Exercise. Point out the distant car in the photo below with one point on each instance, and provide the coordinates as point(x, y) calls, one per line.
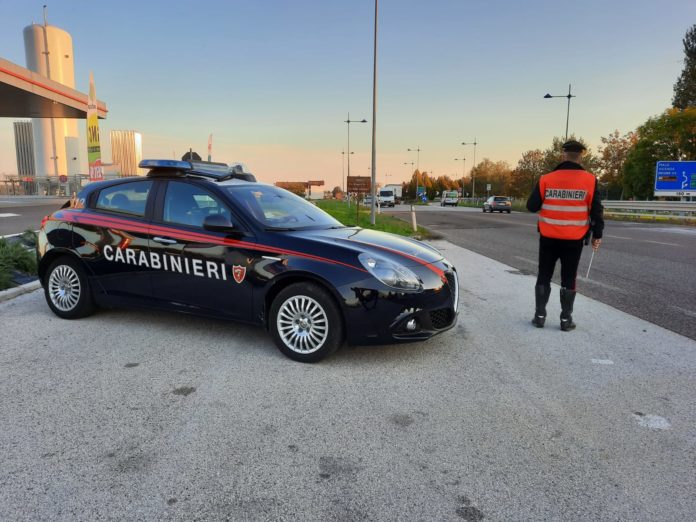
point(497, 203)
point(367, 200)
point(386, 198)
point(449, 197)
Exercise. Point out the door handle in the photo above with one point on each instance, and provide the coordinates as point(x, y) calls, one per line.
point(164, 240)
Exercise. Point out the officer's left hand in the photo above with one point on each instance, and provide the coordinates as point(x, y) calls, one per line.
point(596, 243)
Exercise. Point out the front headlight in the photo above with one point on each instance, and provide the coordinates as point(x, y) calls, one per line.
point(390, 273)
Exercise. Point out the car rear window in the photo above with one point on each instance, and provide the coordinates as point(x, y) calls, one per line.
point(128, 198)
point(501, 199)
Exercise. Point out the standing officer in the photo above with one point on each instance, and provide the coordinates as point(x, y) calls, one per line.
point(570, 207)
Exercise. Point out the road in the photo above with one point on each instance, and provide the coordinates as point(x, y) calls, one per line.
point(19, 213)
point(129, 415)
point(646, 270)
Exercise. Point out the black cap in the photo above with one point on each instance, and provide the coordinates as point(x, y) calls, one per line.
point(573, 146)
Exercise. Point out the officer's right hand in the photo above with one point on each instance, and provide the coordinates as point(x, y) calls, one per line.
point(596, 243)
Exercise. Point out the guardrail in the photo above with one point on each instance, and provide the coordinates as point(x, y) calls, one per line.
point(672, 209)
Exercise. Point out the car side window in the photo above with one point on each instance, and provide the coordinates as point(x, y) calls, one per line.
point(127, 198)
point(187, 204)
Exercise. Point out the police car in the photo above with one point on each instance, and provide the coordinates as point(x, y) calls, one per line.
point(207, 239)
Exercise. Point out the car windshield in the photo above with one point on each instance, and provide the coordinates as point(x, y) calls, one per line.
point(278, 209)
point(450, 194)
point(386, 193)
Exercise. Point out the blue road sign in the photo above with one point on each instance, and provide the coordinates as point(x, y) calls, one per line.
point(675, 178)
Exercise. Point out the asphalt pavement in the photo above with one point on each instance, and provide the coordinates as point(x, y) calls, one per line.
point(20, 213)
point(645, 269)
point(131, 415)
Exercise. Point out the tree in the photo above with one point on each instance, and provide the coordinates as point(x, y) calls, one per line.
point(612, 155)
point(497, 174)
point(336, 191)
point(529, 169)
point(668, 137)
point(685, 88)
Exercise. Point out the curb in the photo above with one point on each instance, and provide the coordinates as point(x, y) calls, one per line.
point(11, 293)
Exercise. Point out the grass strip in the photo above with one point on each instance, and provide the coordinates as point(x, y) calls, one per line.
point(383, 222)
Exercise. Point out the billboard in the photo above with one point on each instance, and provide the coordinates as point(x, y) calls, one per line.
point(675, 178)
point(93, 147)
point(359, 184)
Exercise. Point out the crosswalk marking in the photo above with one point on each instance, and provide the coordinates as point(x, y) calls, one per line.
point(8, 214)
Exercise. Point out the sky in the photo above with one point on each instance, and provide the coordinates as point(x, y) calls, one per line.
point(274, 80)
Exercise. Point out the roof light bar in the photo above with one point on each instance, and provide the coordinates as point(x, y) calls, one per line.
point(164, 164)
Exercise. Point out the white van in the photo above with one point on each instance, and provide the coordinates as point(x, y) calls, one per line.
point(386, 198)
point(449, 197)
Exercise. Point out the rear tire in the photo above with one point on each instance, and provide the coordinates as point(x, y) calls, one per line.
point(305, 322)
point(67, 290)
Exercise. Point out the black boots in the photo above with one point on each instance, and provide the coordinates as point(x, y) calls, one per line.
point(567, 299)
point(541, 294)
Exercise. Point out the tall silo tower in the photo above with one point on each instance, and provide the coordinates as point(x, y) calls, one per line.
point(49, 52)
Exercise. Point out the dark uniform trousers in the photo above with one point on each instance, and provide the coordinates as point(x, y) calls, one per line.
point(550, 251)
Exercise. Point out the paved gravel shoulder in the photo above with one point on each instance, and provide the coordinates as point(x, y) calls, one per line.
point(133, 415)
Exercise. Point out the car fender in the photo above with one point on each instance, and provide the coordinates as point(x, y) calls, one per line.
point(290, 277)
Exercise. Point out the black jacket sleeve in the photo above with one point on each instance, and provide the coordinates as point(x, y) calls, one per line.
point(534, 201)
point(596, 214)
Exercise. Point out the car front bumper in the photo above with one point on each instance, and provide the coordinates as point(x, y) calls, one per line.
point(378, 316)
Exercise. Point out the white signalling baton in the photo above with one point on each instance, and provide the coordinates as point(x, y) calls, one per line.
point(590, 266)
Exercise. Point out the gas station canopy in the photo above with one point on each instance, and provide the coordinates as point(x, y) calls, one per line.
point(26, 94)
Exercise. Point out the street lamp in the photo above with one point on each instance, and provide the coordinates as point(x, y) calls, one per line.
point(417, 151)
point(473, 179)
point(349, 121)
point(463, 160)
point(569, 96)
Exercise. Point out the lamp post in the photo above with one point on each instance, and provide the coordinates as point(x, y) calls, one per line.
point(473, 179)
point(374, 120)
point(417, 151)
point(463, 160)
point(348, 122)
point(569, 96)
point(343, 174)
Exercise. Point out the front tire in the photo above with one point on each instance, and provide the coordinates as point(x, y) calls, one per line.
point(305, 322)
point(67, 289)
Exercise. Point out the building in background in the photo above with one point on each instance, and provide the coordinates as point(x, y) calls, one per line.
point(49, 52)
point(127, 151)
point(24, 147)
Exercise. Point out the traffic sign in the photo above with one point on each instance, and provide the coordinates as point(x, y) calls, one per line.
point(359, 184)
point(675, 178)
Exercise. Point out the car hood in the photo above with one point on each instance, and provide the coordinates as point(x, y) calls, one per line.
point(405, 251)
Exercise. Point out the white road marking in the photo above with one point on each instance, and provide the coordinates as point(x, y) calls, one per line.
point(605, 362)
point(8, 214)
point(643, 240)
point(526, 260)
point(609, 287)
point(660, 243)
point(684, 311)
point(652, 421)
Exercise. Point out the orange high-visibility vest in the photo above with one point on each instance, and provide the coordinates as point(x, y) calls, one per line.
point(566, 197)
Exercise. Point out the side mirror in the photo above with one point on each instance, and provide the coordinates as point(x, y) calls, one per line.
point(218, 223)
